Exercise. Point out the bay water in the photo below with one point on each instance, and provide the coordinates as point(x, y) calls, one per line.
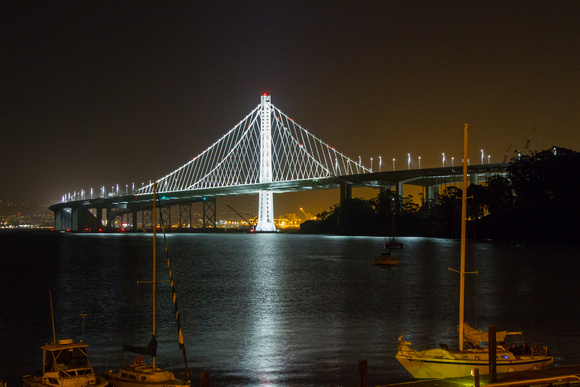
point(275, 309)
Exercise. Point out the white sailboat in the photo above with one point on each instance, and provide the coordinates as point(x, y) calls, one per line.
point(442, 362)
point(139, 374)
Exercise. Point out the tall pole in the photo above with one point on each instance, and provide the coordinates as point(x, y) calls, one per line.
point(154, 260)
point(463, 236)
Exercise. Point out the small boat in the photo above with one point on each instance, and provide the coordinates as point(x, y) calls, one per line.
point(385, 258)
point(442, 362)
point(139, 374)
point(65, 364)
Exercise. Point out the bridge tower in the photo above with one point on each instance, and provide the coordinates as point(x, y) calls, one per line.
point(266, 204)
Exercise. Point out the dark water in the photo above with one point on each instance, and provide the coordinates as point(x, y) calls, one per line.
point(276, 309)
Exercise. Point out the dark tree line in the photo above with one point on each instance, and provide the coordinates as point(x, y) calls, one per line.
point(537, 200)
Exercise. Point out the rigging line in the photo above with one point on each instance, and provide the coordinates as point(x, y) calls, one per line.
point(173, 293)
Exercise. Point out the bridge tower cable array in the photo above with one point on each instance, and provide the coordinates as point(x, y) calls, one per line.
point(266, 146)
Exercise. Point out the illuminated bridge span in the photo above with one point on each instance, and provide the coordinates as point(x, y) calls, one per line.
point(265, 152)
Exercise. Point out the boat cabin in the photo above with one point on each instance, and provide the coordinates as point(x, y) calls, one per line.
point(66, 359)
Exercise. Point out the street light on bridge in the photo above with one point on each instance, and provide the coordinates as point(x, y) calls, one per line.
point(380, 163)
point(443, 161)
point(419, 162)
point(482, 157)
point(371, 164)
point(393, 164)
point(452, 160)
point(408, 161)
point(488, 159)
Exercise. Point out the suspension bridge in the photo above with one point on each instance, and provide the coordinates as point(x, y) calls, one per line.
point(267, 152)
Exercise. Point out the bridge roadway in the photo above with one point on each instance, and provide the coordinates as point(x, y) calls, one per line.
point(76, 215)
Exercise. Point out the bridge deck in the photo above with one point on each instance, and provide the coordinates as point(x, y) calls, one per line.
point(546, 376)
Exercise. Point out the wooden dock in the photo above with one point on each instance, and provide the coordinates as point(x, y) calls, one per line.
point(548, 376)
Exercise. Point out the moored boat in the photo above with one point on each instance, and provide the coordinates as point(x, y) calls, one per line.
point(442, 362)
point(385, 258)
point(65, 364)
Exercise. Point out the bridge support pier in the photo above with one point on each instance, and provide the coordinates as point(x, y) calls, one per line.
point(60, 219)
point(209, 214)
point(400, 189)
point(345, 191)
point(165, 213)
point(185, 215)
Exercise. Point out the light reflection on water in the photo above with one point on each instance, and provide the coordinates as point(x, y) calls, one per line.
point(276, 309)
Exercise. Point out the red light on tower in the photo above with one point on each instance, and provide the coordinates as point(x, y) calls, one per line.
point(264, 93)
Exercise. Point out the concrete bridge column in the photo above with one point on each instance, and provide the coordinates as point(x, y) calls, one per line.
point(400, 189)
point(74, 219)
point(345, 191)
point(108, 216)
point(432, 190)
point(59, 219)
point(100, 216)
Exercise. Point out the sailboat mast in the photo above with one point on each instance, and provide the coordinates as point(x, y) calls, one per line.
point(154, 260)
point(463, 237)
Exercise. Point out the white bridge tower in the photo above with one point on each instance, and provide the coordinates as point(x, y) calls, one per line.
point(266, 205)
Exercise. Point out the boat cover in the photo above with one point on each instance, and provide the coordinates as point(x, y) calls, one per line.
point(150, 349)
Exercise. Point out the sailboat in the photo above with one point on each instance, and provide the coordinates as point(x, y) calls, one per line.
point(65, 364)
point(442, 362)
point(393, 243)
point(139, 374)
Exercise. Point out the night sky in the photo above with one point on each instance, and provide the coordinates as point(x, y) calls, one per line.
point(103, 93)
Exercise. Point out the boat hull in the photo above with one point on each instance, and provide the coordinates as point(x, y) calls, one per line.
point(38, 381)
point(424, 368)
point(143, 376)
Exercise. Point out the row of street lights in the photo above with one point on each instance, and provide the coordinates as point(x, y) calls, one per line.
point(419, 161)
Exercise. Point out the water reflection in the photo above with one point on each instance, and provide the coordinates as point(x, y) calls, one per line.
point(280, 309)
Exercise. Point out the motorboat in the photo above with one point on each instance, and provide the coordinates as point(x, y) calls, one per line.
point(385, 258)
point(443, 362)
point(65, 364)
